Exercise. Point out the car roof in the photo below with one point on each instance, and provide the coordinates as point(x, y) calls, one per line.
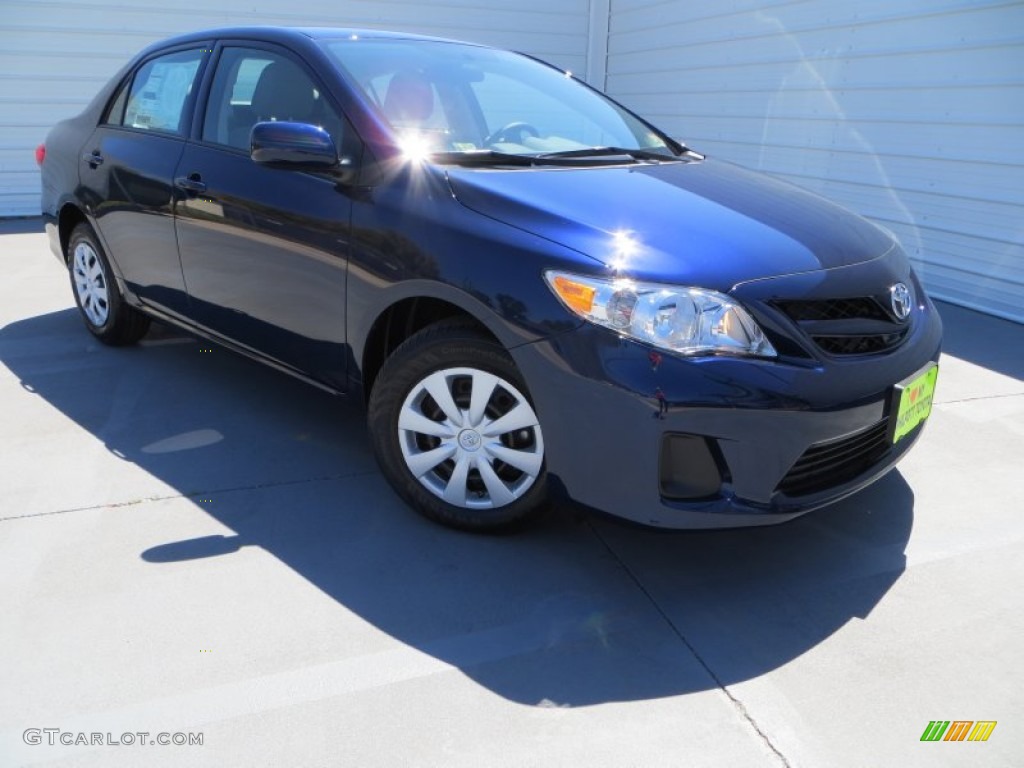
point(296, 34)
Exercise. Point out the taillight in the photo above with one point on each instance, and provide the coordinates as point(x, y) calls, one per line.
point(40, 154)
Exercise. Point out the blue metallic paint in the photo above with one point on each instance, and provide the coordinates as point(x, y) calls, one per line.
point(480, 239)
point(706, 223)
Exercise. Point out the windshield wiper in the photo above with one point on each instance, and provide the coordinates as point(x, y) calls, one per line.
point(607, 155)
point(482, 157)
point(636, 154)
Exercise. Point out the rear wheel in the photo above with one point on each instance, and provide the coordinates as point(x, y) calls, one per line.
point(454, 430)
point(99, 301)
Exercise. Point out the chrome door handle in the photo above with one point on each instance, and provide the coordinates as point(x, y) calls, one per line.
point(191, 183)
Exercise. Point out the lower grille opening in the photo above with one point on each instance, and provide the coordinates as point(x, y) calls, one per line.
point(826, 465)
point(689, 468)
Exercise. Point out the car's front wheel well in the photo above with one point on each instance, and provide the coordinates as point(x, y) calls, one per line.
point(70, 217)
point(400, 321)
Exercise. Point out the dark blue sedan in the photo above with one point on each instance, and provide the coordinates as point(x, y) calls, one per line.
point(535, 291)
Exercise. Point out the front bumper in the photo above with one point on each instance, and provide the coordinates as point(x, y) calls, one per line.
point(606, 405)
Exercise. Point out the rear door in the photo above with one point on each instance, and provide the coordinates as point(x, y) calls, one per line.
point(264, 251)
point(127, 170)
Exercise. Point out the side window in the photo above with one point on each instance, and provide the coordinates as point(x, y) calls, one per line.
point(160, 90)
point(115, 112)
point(253, 85)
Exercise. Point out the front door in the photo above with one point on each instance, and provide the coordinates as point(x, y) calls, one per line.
point(264, 251)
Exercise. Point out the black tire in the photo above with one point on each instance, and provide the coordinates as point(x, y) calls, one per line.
point(96, 292)
point(463, 359)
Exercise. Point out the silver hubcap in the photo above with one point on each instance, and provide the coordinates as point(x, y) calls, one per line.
point(90, 284)
point(470, 438)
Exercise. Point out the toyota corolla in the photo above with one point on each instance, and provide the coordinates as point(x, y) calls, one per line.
point(535, 291)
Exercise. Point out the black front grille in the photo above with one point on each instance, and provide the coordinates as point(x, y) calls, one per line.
point(826, 465)
point(864, 307)
point(858, 345)
point(850, 326)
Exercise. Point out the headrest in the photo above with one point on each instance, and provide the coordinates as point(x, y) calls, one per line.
point(284, 92)
point(410, 98)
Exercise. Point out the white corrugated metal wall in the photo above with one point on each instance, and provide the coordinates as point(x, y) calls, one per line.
point(910, 112)
point(55, 54)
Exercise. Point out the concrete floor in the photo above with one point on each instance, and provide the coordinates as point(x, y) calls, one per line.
point(192, 543)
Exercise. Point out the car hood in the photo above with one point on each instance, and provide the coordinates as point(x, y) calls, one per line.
point(705, 223)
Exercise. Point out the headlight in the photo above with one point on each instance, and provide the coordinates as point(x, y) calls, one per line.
point(688, 321)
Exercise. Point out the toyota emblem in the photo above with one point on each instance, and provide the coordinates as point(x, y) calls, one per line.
point(899, 294)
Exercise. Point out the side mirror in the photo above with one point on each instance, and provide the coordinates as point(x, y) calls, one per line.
point(295, 146)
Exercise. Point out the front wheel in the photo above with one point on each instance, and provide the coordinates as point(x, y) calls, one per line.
point(454, 430)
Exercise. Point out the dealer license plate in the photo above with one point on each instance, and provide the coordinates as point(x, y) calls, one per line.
point(912, 402)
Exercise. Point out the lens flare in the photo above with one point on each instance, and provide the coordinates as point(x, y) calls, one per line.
point(415, 147)
point(624, 247)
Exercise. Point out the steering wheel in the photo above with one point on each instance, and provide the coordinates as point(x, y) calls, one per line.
point(513, 132)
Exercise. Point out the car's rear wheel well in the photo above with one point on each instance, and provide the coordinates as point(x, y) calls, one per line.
point(70, 217)
point(400, 321)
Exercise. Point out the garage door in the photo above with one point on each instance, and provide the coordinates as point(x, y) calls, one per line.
point(910, 112)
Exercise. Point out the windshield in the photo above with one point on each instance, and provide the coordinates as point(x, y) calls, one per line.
point(463, 99)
